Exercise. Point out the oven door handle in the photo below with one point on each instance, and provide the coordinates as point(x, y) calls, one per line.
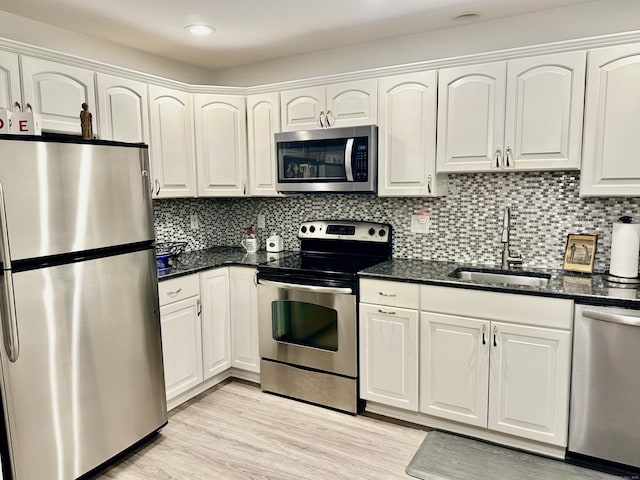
point(307, 288)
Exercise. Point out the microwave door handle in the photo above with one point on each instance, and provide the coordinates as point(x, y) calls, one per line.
point(348, 161)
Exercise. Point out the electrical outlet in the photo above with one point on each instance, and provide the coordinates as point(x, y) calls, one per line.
point(261, 221)
point(420, 224)
point(195, 224)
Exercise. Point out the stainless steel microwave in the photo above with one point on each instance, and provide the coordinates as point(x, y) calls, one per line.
point(331, 160)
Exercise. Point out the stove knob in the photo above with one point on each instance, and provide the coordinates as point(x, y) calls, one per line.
point(372, 231)
point(312, 229)
point(303, 229)
point(382, 233)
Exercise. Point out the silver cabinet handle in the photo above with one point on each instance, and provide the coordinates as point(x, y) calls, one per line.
point(508, 156)
point(612, 317)
point(199, 307)
point(244, 187)
point(329, 119)
point(429, 184)
point(484, 331)
point(495, 334)
point(157, 183)
point(348, 151)
point(29, 107)
point(498, 157)
point(386, 312)
point(175, 293)
point(17, 104)
point(383, 294)
point(10, 324)
point(322, 119)
point(306, 288)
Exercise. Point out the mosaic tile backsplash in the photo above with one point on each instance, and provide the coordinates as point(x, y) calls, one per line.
point(465, 226)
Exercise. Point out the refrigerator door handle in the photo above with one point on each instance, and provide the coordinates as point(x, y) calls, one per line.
point(10, 324)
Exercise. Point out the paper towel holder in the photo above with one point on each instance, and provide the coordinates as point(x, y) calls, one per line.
point(623, 282)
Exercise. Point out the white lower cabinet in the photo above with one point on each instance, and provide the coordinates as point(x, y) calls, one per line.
point(490, 363)
point(243, 293)
point(389, 355)
point(181, 334)
point(216, 328)
point(454, 368)
point(389, 343)
point(209, 324)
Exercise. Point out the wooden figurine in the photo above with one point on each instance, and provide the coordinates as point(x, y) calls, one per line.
point(86, 122)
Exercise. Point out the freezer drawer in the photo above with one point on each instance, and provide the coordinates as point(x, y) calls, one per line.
point(88, 381)
point(67, 197)
point(604, 417)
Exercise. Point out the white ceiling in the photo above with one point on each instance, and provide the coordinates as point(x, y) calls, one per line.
point(249, 31)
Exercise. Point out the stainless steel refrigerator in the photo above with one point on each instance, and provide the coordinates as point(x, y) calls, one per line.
point(80, 351)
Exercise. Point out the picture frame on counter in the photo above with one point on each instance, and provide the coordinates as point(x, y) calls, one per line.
point(580, 253)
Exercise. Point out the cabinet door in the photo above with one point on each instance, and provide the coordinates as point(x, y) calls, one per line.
point(123, 109)
point(352, 103)
point(181, 345)
point(544, 108)
point(57, 92)
point(389, 355)
point(216, 340)
point(10, 80)
point(611, 120)
point(221, 145)
point(263, 122)
point(172, 145)
point(244, 319)
point(454, 368)
point(407, 134)
point(529, 382)
point(471, 117)
point(301, 109)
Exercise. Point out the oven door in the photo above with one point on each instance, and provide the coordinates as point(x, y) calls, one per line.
point(308, 326)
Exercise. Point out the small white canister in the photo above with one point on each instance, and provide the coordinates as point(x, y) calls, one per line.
point(275, 243)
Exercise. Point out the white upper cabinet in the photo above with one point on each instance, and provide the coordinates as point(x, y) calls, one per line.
point(263, 122)
point(221, 145)
point(407, 136)
point(9, 80)
point(172, 144)
point(338, 105)
point(57, 92)
point(612, 123)
point(123, 109)
point(524, 114)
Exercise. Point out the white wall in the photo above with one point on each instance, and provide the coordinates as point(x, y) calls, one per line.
point(578, 21)
point(38, 34)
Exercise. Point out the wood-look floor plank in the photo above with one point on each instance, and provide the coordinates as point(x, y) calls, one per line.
point(235, 431)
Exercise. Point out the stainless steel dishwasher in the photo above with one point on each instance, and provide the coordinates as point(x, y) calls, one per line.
point(604, 421)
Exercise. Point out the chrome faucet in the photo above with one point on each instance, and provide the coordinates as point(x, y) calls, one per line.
point(508, 261)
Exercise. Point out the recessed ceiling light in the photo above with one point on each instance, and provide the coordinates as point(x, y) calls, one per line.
point(200, 30)
point(466, 16)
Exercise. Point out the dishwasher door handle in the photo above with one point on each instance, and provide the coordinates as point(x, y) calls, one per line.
point(612, 317)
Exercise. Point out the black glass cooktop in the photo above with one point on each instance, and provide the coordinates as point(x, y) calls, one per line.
point(322, 263)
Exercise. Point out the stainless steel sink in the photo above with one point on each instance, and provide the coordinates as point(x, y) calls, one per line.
point(502, 277)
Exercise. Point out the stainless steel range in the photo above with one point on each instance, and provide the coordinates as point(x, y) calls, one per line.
point(307, 311)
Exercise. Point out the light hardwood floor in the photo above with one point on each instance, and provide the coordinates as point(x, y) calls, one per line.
point(235, 431)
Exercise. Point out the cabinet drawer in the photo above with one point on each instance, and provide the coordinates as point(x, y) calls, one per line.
point(395, 294)
point(170, 291)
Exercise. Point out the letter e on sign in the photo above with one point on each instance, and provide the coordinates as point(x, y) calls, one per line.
point(23, 126)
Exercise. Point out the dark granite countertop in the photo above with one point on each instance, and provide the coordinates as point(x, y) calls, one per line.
point(582, 288)
point(208, 258)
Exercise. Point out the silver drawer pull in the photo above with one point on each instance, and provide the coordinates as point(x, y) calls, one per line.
point(612, 317)
point(382, 294)
point(174, 294)
point(386, 312)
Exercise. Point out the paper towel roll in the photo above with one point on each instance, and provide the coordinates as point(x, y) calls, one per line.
point(625, 249)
